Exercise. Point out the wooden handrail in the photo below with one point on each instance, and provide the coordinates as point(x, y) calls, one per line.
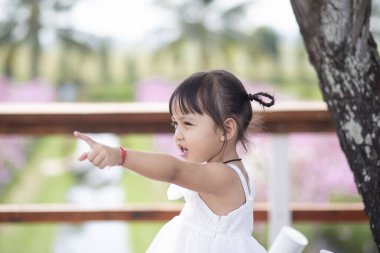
point(301, 212)
point(64, 118)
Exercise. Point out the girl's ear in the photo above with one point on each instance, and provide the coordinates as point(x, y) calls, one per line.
point(231, 127)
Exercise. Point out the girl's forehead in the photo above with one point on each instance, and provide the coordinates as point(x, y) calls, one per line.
point(178, 111)
point(186, 104)
point(178, 114)
point(175, 109)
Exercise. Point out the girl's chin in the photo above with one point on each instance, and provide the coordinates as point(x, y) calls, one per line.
point(185, 156)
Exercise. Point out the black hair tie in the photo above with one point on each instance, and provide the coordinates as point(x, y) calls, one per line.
point(258, 98)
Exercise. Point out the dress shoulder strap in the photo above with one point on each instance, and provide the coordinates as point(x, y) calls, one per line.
point(247, 192)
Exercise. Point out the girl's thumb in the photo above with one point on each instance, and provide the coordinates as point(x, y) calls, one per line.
point(83, 157)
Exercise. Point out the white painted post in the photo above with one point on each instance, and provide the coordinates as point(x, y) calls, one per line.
point(279, 196)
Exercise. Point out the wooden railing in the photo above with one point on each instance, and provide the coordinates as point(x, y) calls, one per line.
point(301, 212)
point(122, 118)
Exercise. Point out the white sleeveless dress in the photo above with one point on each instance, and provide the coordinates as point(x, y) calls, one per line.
point(197, 229)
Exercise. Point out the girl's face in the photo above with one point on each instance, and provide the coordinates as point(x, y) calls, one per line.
point(197, 137)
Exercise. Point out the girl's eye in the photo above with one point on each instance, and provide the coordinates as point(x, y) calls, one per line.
point(174, 124)
point(187, 123)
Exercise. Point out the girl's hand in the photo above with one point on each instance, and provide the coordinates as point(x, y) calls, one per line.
point(99, 155)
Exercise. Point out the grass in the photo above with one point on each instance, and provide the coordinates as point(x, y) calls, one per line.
point(16, 238)
point(141, 190)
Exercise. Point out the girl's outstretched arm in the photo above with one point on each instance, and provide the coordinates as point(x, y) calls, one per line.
point(142, 162)
point(161, 167)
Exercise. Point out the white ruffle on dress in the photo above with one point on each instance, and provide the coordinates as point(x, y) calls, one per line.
point(197, 229)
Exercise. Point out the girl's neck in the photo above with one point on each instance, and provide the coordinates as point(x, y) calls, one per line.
point(230, 155)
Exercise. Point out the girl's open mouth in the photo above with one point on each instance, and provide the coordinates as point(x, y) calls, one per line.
point(184, 151)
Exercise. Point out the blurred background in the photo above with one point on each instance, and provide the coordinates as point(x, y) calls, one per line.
point(120, 51)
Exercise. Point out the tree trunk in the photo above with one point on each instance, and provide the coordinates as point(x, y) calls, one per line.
point(9, 61)
point(34, 31)
point(345, 57)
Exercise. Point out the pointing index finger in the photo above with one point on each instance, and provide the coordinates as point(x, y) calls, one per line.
point(85, 138)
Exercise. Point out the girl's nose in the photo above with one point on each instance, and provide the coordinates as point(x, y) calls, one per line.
point(178, 134)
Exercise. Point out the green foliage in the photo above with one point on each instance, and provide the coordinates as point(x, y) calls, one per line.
point(266, 42)
point(103, 93)
point(210, 28)
point(300, 90)
point(347, 237)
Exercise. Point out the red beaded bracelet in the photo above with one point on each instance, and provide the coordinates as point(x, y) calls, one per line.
point(123, 155)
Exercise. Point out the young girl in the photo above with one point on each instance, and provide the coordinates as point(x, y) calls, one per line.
point(211, 112)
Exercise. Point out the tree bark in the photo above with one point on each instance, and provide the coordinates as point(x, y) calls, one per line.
point(345, 57)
